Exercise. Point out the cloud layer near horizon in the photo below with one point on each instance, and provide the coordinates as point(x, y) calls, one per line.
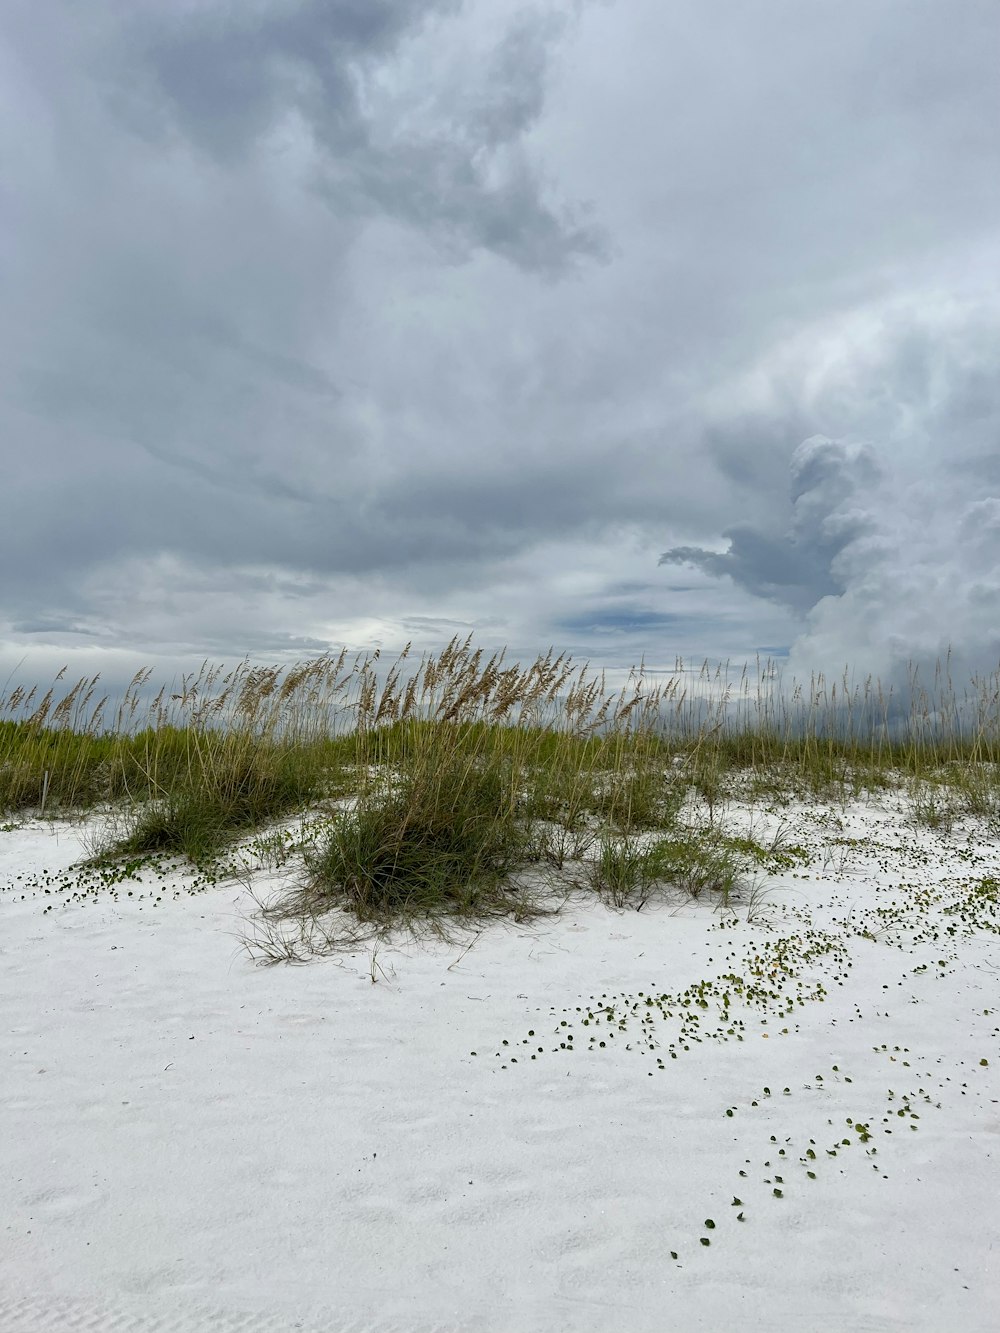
point(338, 322)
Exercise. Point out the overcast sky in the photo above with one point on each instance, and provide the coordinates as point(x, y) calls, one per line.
point(636, 327)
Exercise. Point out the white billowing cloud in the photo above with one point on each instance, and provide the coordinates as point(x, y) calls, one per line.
point(887, 547)
point(922, 586)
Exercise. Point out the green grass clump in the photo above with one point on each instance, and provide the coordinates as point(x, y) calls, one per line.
point(644, 799)
point(49, 769)
point(623, 872)
point(698, 862)
point(439, 841)
point(233, 794)
point(627, 872)
point(776, 855)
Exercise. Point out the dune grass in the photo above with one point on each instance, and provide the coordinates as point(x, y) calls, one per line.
point(443, 781)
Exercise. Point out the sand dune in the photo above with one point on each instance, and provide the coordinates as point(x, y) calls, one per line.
point(516, 1135)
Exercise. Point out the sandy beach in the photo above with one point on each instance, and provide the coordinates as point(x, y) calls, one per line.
point(785, 1115)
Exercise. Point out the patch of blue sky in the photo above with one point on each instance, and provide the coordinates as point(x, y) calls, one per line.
point(625, 620)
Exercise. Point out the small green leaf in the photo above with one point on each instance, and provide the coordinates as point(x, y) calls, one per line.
point(778, 1194)
point(710, 1225)
point(736, 1203)
point(705, 1240)
point(673, 1254)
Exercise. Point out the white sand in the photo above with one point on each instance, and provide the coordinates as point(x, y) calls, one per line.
point(189, 1142)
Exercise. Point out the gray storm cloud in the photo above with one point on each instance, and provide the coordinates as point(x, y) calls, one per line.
point(328, 319)
point(442, 156)
point(834, 490)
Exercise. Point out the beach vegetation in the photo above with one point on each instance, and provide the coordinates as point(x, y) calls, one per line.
point(463, 785)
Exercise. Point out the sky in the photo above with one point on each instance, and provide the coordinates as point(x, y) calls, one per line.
point(639, 328)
